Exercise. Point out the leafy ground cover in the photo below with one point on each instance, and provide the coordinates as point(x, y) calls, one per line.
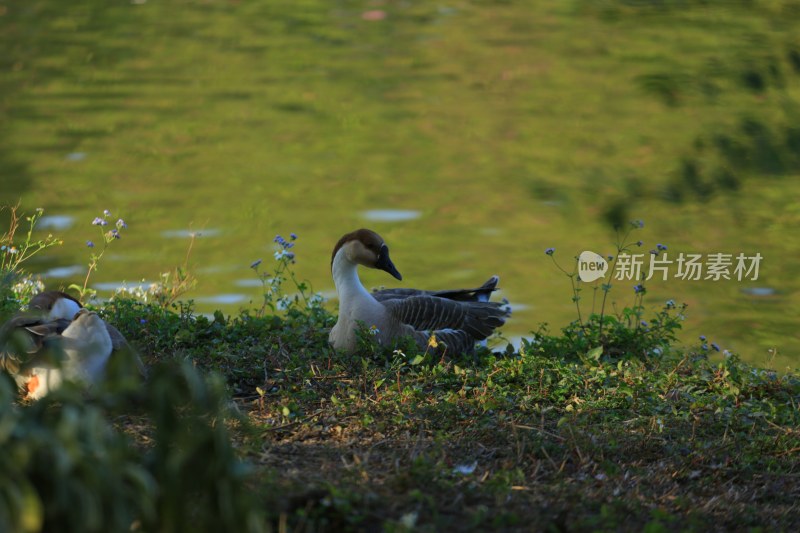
point(513, 441)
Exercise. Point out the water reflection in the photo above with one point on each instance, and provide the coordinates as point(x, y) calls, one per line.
point(186, 233)
point(56, 222)
point(114, 286)
point(760, 291)
point(63, 272)
point(252, 282)
point(390, 215)
point(223, 299)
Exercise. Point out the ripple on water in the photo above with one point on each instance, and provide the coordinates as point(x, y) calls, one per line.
point(115, 285)
point(56, 222)
point(759, 291)
point(63, 272)
point(224, 299)
point(185, 233)
point(248, 282)
point(390, 215)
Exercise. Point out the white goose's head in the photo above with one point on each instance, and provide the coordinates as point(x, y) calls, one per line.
point(365, 247)
point(55, 304)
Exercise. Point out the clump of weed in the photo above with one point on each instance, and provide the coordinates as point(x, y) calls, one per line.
point(274, 297)
point(613, 333)
point(169, 288)
point(16, 286)
point(107, 237)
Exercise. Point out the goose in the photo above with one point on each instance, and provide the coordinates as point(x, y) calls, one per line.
point(58, 340)
point(457, 318)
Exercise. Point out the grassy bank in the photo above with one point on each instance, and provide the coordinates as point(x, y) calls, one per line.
point(252, 422)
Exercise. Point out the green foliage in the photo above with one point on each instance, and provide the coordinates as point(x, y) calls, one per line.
point(67, 466)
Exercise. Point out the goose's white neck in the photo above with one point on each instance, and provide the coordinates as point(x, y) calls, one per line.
point(345, 277)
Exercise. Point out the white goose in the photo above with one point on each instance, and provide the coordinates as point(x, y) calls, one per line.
point(458, 318)
point(58, 340)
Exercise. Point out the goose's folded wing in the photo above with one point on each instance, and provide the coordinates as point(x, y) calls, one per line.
point(430, 313)
point(478, 294)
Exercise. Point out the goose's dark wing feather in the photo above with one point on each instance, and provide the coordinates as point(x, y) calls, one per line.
point(479, 294)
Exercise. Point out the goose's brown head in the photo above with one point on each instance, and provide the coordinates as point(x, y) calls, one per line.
point(365, 247)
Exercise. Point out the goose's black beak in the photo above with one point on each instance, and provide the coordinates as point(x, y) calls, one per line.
point(384, 263)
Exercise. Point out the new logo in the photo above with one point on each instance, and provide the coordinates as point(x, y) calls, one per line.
point(591, 266)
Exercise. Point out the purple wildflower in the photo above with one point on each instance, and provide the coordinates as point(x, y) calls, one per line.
point(121, 224)
point(106, 212)
point(704, 347)
point(638, 288)
point(639, 243)
point(293, 236)
point(550, 251)
point(703, 338)
point(644, 324)
point(661, 247)
point(255, 263)
point(654, 252)
point(90, 244)
point(715, 346)
point(99, 222)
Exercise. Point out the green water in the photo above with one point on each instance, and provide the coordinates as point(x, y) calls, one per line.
point(508, 127)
